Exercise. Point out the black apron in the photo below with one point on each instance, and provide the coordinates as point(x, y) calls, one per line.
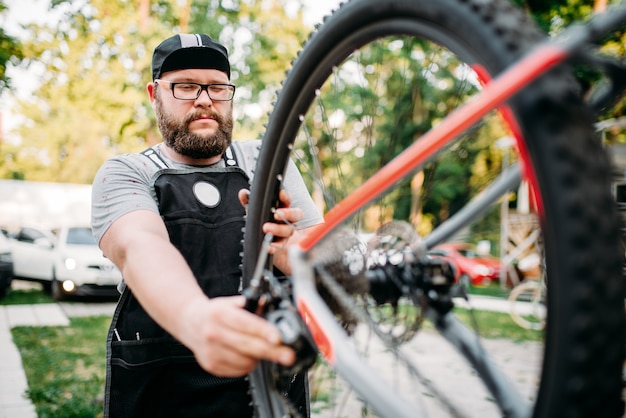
point(149, 373)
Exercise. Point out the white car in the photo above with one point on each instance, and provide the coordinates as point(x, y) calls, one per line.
point(66, 261)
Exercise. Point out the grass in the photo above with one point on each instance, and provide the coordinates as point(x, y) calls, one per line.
point(496, 325)
point(493, 289)
point(26, 296)
point(65, 366)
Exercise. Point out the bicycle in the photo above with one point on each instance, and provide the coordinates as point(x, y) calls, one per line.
point(331, 119)
point(527, 304)
point(527, 298)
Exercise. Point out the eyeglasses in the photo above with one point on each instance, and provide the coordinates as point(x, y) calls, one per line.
point(191, 91)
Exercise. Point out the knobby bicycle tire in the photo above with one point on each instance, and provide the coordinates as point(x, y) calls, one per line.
point(581, 370)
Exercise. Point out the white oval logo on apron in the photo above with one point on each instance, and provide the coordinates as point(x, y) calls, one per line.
point(207, 194)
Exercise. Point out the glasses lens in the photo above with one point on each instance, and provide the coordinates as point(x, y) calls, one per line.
point(186, 91)
point(221, 92)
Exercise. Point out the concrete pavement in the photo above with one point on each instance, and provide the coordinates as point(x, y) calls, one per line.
point(13, 403)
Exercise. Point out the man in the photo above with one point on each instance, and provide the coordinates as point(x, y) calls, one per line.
point(171, 219)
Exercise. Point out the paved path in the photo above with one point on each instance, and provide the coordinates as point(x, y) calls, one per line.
point(13, 384)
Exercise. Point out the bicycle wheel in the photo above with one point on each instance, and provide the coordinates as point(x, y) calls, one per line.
point(527, 307)
point(373, 78)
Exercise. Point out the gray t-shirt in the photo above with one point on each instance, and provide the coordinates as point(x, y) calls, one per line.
point(124, 184)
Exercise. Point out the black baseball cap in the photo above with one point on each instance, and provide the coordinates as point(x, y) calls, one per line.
point(188, 50)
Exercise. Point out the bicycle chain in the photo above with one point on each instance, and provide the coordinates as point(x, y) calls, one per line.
point(291, 409)
point(340, 266)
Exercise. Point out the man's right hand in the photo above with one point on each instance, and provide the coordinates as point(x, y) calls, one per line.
point(229, 341)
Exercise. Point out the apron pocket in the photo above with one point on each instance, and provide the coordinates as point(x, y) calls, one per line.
point(159, 377)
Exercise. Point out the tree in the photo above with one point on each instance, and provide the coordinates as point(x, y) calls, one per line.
point(92, 103)
point(555, 15)
point(10, 52)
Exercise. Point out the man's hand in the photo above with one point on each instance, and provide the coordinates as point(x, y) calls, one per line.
point(227, 340)
point(282, 230)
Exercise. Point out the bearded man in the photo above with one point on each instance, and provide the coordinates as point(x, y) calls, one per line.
point(171, 218)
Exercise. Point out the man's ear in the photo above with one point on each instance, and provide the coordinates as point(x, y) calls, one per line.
point(150, 87)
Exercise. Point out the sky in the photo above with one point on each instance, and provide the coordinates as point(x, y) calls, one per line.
point(36, 11)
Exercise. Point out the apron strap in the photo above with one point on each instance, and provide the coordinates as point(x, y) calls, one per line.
point(229, 156)
point(155, 158)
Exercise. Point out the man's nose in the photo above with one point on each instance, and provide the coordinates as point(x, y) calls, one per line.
point(204, 96)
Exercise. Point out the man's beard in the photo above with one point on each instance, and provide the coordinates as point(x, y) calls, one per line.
point(178, 137)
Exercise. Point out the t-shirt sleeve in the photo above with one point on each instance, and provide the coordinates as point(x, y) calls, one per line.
point(300, 198)
point(119, 188)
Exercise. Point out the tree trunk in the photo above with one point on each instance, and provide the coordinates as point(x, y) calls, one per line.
point(184, 15)
point(144, 14)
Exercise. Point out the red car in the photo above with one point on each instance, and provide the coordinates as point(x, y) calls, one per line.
point(470, 267)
